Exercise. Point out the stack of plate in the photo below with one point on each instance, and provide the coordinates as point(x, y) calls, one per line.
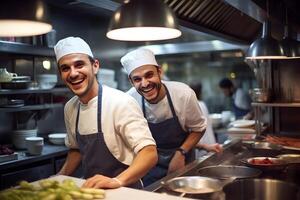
point(18, 137)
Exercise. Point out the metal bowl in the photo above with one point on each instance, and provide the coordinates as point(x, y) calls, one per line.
point(193, 185)
point(261, 189)
point(224, 172)
point(260, 95)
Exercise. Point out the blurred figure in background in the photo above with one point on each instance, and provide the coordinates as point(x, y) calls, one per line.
point(208, 140)
point(240, 100)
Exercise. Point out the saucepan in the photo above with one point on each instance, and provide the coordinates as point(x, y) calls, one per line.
point(261, 189)
point(229, 172)
point(201, 187)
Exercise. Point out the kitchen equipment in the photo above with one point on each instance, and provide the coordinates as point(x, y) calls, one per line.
point(193, 185)
point(34, 145)
point(12, 103)
point(260, 189)
point(6, 158)
point(47, 81)
point(224, 172)
point(57, 138)
point(266, 145)
point(216, 119)
point(16, 83)
point(242, 123)
point(260, 95)
point(266, 163)
point(6, 76)
point(18, 137)
point(290, 158)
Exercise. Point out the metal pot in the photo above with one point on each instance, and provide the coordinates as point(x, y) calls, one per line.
point(224, 172)
point(261, 189)
point(194, 185)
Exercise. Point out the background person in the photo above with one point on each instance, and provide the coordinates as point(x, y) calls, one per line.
point(171, 109)
point(240, 100)
point(208, 141)
point(106, 130)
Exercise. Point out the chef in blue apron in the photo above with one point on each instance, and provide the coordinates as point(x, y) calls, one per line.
point(240, 101)
point(171, 109)
point(106, 131)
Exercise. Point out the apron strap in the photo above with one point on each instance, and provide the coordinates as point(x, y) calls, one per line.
point(169, 101)
point(98, 114)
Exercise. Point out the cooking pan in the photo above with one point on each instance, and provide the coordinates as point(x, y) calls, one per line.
point(193, 185)
point(266, 145)
point(261, 189)
point(266, 163)
point(224, 172)
point(290, 158)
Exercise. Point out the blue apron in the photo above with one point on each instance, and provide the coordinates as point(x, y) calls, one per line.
point(168, 136)
point(96, 157)
point(239, 112)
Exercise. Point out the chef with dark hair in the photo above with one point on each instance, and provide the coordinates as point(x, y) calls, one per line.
point(171, 109)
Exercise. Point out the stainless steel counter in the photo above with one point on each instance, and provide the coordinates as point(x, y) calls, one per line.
point(233, 153)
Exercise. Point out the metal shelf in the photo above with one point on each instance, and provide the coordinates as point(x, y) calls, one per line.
point(31, 107)
point(25, 49)
point(276, 104)
point(34, 91)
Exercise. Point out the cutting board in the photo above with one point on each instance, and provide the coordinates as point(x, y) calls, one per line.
point(123, 192)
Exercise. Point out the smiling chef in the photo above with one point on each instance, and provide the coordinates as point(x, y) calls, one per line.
point(106, 130)
point(171, 109)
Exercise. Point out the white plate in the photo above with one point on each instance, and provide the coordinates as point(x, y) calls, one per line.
point(242, 123)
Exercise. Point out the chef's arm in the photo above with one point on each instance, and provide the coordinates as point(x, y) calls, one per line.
point(145, 159)
point(72, 162)
point(178, 160)
point(143, 162)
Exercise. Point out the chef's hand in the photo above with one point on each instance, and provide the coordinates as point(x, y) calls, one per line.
point(99, 181)
point(214, 147)
point(177, 162)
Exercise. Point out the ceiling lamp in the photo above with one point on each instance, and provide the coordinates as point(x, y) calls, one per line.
point(266, 47)
point(23, 18)
point(291, 47)
point(143, 20)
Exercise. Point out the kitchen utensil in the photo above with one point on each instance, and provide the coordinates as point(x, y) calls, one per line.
point(260, 95)
point(266, 163)
point(57, 138)
point(242, 123)
point(216, 119)
point(18, 84)
point(47, 81)
point(266, 145)
point(224, 172)
point(260, 189)
point(18, 137)
point(34, 145)
point(6, 76)
point(193, 185)
point(290, 158)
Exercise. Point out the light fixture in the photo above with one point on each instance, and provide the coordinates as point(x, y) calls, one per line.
point(291, 47)
point(266, 47)
point(143, 20)
point(23, 18)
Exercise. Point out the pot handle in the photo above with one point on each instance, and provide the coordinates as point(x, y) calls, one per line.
point(163, 183)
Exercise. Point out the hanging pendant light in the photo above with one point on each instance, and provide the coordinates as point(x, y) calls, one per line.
point(266, 47)
point(291, 47)
point(23, 18)
point(143, 20)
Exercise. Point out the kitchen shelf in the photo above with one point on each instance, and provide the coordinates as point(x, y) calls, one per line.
point(34, 91)
point(276, 104)
point(32, 107)
point(26, 49)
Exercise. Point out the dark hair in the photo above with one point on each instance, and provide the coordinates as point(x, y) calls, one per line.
point(92, 60)
point(225, 83)
point(197, 87)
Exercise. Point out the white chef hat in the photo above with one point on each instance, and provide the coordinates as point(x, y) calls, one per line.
point(138, 58)
point(71, 45)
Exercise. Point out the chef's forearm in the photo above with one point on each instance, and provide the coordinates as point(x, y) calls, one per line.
point(143, 162)
point(72, 162)
point(192, 140)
